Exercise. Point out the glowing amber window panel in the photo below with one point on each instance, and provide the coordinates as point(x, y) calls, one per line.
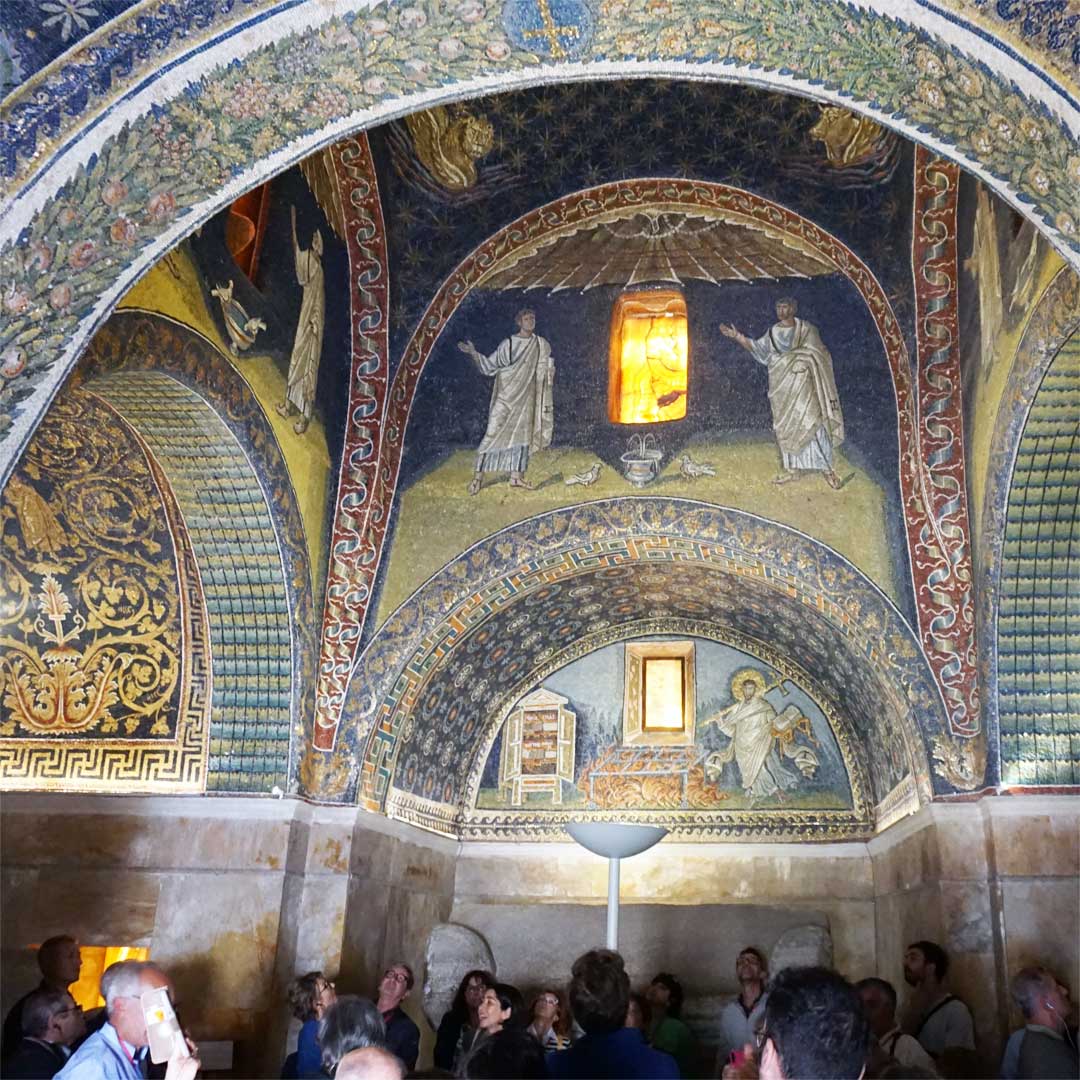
point(649, 358)
point(95, 959)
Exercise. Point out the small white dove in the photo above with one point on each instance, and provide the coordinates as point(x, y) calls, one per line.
point(585, 479)
point(692, 469)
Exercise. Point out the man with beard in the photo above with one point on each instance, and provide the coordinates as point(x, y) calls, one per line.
point(807, 418)
point(935, 1017)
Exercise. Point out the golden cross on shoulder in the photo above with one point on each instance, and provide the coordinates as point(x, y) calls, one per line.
point(550, 32)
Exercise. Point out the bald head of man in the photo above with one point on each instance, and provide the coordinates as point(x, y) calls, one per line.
point(370, 1063)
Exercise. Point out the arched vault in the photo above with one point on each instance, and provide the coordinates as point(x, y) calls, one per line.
point(125, 144)
point(604, 572)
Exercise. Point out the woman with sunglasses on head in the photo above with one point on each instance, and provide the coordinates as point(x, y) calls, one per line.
point(460, 1021)
point(551, 1020)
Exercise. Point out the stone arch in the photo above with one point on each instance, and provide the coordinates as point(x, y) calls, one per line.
point(225, 509)
point(140, 341)
point(157, 152)
point(735, 556)
point(1055, 319)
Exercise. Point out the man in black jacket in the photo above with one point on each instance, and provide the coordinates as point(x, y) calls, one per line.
point(60, 962)
point(402, 1035)
point(51, 1022)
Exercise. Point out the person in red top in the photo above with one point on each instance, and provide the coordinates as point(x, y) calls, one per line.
point(402, 1035)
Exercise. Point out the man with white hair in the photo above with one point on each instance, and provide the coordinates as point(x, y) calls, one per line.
point(370, 1063)
point(1047, 1050)
point(116, 1051)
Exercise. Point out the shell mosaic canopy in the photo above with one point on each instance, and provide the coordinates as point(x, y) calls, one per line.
point(423, 464)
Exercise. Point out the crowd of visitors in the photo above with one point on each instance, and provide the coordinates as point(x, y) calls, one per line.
point(802, 1023)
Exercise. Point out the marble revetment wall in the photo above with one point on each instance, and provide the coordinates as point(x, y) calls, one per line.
point(234, 897)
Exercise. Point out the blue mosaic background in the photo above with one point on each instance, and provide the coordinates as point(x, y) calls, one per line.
point(553, 140)
point(595, 684)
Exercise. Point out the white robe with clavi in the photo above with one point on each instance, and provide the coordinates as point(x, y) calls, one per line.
point(307, 346)
point(520, 419)
point(753, 726)
point(807, 418)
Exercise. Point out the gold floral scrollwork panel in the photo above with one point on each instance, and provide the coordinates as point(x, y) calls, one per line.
point(103, 656)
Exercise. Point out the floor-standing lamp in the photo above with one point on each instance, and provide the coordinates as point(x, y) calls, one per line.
point(615, 842)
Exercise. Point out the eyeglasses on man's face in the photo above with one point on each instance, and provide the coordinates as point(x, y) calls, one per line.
point(397, 976)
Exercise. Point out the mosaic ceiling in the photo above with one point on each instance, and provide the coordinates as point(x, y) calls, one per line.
point(165, 158)
point(412, 208)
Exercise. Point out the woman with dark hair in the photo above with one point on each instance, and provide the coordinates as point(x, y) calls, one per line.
point(459, 1022)
point(310, 996)
point(502, 1006)
point(668, 1032)
point(551, 1019)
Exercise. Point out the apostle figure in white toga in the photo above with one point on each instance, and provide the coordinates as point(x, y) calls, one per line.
point(307, 346)
point(762, 740)
point(521, 418)
point(807, 419)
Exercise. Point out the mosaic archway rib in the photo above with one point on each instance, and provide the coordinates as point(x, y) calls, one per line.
point(739, 552)
point(138, 172)
point(941, 556)
point(487, 654)
point(108, 61)
point(142, 341)
point(241, 569)
point(576, 211)
point(353, 560)
point(1038, 620)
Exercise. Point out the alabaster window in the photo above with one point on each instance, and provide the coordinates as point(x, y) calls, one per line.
point(95, 959)
point(648, 358)
point(659, 695)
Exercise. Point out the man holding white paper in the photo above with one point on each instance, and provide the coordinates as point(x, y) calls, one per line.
point(117, 1051)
